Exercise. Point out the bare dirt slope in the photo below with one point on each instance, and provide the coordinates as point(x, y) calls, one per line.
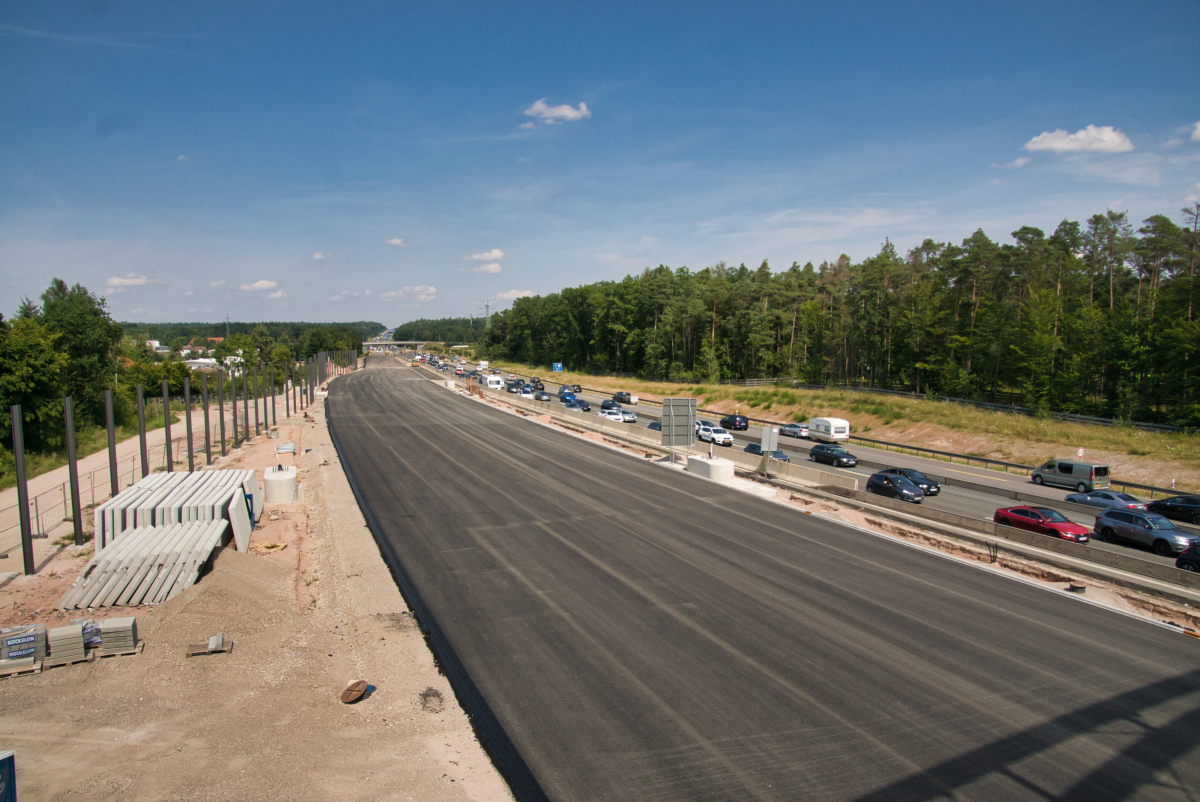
point(263, 722)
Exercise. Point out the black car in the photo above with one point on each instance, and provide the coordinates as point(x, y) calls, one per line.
point(608, 403)
point(655, 425)
point(833, 455)
point(1181, 508)
point(514, 387)
point(894, 486)
point(756, 450)
point(1189, 559)
point(927, 485)
point(578, 403)
point(623, 398)
point(536, 383)
point(735, 423)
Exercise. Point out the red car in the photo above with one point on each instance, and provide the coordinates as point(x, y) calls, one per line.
point(1044, 521)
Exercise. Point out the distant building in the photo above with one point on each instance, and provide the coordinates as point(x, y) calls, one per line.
point(202, 364)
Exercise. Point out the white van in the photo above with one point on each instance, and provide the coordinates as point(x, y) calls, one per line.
point(829, 430)
point(493, 382)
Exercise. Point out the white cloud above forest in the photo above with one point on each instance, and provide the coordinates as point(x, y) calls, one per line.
point(127, 282)
point(488, 256)
point(397, 241)
point(1093, 139)
point(258, 286)
point(491, 268)
point(556, 115)
point(510, 295)
point(420, 292)
point(318, 256)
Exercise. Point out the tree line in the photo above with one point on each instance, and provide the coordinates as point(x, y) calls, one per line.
point(67, 344)
point(1096, 318)
point(453, 330)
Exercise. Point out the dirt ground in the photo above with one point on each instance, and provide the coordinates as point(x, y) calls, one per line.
point(263, 722)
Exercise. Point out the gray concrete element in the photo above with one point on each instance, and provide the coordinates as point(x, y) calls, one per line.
point(716, 469)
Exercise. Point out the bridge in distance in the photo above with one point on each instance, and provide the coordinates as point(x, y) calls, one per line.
point(621, 630)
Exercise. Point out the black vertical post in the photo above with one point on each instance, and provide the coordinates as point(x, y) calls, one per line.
point(18, 435)
point(73, 470)
point(233, 410)
point(245, 403)
point(187, 406)
point(262, 376)
point(254, 392)
point(221, 408)
point(142, 432)
point(287, 391)
point(166, 391)
point(114, 481)
point(273, 421)
point(207, 428)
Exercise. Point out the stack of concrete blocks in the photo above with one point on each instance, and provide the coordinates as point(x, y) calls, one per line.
point(66, 645)
point(22, 647)
point(118, 636)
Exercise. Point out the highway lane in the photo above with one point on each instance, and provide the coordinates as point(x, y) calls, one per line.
point(957, 500)
point(641, 634)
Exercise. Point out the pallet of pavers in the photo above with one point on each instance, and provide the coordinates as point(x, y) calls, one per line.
point(162, 499)
point(118, 636)
point(22, 649)
point(147, 565)
point(65, 646)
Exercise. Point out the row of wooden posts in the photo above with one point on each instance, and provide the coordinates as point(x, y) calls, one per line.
point(301, 377)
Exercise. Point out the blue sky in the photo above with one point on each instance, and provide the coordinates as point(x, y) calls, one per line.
point(389, 161)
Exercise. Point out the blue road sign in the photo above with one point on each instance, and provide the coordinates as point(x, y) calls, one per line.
point(558, 367)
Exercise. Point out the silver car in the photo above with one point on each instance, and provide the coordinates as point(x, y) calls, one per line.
point(1147, 528)
point(1107, 498)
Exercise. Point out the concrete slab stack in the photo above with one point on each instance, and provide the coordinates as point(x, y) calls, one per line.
point(118, 635)
point(21, 647)
point(66, 645)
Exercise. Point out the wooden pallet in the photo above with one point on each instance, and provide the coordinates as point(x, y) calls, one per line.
point(50, 662)
point(36, 668)
point(202, 648)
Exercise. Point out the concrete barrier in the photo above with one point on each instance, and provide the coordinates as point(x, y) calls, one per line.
point(717, 469)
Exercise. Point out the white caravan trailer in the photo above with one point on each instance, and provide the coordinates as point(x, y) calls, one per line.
point(829, 430)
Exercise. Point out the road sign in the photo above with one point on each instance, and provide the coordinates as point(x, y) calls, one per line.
point(558, 367)
point(678, 422)
point(770, 439)
point(1079, 453)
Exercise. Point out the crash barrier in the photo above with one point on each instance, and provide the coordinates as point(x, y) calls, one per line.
point(1125, 562)
point(743, 460)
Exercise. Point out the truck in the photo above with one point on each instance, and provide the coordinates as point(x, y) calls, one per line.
point(483, 364)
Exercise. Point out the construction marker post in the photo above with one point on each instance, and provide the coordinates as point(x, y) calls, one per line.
point(73, 470)
point(254, 392)
point(167, 453)
point(18, 435)
point(207, 429)
point(221, 409)
point(245, 404)
point(187, 406)
point(142, 432)
point(114, 481)
point(272, 395)
point(233, 410)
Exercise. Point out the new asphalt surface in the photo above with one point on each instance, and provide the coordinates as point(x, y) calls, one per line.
point(621, 630)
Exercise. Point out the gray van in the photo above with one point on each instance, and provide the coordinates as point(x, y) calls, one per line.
point(1083, 477)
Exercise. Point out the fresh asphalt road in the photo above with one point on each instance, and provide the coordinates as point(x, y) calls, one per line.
point(643, 634)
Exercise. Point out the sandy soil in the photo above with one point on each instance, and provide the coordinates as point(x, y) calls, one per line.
point(263, 722)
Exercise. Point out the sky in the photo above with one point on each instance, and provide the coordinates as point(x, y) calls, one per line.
point(393, 161)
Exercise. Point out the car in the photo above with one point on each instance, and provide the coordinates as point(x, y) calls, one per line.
point(526, 392)
point(654, 425)
point(735, 423)
point(1183, 508)
point(566, 398)
point(756, 449)
point(536, 383)
point(1189, 559)
point(1147, 528)
point(542, 395)
point(579, 404)
point(628, 415)
point(512, 377)
point(715, 435)
point(700, 423)
point(573, 388)
point(1042, 520)
point(612, 415)
point(833, 454)
point(795, 430)
point(513, 387)
point(608, 403)
point(927, 485)
point(1107, 498)
point(458, 371)
point(895, 486)
point(623, 398)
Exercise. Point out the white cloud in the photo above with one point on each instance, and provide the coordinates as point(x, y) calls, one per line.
point(319, 256)
point(1098, 139)
point(181, 158)
point(258, 286)
point(555, 115)
point(216, 283)
point(511, 294)
point(1172, 143)
point(527, 125)
point(138, 311)
point(1020, 161)
point(367, 292)
point(118, 283)
point(189, 293)
point(420, 292)
point(276, 294)
point(490, 268)
point(488, 256)
point(397, 241)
